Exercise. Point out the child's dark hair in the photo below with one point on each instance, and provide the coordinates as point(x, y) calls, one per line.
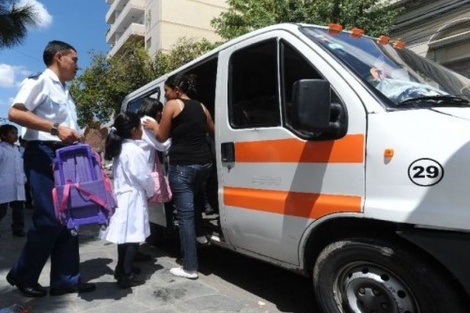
point(122, 129)
point(5, 129)
point(186, 84)
point(150, 107)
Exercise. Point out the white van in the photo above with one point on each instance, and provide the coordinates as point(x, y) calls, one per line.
point(342, 157)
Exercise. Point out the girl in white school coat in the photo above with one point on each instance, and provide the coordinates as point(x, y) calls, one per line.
point(12, 179)
point(133, 185)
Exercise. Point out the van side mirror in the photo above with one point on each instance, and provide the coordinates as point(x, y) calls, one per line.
point(311, 105)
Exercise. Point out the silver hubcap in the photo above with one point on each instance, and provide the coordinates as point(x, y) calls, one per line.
point(366, 288)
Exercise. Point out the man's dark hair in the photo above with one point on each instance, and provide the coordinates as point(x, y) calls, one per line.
point(52, 48)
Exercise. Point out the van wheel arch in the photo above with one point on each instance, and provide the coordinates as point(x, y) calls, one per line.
point(340, 228)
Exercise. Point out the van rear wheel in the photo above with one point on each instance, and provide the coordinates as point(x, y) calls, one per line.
point(364, 275)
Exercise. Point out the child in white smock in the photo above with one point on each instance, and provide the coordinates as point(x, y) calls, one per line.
point(12, 179)
point(133, 185)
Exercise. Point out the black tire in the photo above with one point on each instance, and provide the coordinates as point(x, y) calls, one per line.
point(365, 275)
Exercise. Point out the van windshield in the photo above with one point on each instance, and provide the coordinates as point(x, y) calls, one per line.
point(399, 76)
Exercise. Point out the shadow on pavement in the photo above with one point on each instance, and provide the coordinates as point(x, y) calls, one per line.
point(290, 292)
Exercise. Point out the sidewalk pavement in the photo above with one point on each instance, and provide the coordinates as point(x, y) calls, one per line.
point(162, 292)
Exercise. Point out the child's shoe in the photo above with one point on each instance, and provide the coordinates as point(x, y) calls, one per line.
point(129, 281)
point(118, 274)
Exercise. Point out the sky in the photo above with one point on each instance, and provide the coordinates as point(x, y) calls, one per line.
point(81, 23)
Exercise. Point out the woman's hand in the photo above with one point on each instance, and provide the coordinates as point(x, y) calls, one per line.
point(149, 124)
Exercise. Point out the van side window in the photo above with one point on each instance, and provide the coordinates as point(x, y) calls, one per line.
point(253, 87)
point(134, 104)
point(295, 67)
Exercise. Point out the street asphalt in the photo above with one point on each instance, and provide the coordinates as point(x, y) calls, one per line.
point(162, 292)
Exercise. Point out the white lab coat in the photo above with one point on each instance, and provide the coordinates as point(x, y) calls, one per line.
point(12, 176)
point(149, 143)
point(133, 185)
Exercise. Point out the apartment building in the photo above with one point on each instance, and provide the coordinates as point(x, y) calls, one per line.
point(160, 23)
point(438, 30)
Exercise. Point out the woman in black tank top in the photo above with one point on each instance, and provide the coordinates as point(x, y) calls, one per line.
point(187, 122)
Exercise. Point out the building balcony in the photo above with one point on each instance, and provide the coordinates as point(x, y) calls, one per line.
point(133, 31)
point(118, 7)
point(133, 13)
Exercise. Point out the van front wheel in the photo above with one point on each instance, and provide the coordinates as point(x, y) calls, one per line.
point(364, 275)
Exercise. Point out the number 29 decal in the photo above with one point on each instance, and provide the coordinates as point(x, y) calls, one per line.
point(425, 172)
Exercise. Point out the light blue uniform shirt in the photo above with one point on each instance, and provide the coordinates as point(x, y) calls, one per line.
point(48, 98)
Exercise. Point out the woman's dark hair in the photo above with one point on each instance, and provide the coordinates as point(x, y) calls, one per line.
point(122, 129)
point(150, 107)
point(186, 84)
point(5, 129)
point(52, 48)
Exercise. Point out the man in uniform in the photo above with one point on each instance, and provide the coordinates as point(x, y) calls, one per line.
point(45, 109)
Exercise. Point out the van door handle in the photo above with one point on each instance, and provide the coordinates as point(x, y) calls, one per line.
point(228, 151)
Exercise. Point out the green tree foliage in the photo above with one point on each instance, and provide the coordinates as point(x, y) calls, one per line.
point(183, 52)
point(374, 16)
point(100, 89)
point(98, 92)
point(14, 20)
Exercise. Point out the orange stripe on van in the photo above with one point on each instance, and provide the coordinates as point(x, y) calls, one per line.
point(349, 149)
point(301, 204)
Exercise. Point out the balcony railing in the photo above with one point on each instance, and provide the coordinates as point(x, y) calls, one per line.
point(118, 6)
point(134, 30)
point(133, 12)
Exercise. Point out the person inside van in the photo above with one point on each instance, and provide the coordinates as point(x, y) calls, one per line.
point(186, 122)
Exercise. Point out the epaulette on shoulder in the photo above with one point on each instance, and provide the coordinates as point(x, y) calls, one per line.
point(35, 76)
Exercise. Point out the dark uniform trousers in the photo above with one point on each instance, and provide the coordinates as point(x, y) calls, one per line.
point(46, 237)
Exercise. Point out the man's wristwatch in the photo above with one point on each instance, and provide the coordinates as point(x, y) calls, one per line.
point(55, 129)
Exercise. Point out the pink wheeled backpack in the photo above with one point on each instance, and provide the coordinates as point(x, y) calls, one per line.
point(83, 193)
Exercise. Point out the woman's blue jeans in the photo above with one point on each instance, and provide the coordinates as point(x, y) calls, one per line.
point(187, 184)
